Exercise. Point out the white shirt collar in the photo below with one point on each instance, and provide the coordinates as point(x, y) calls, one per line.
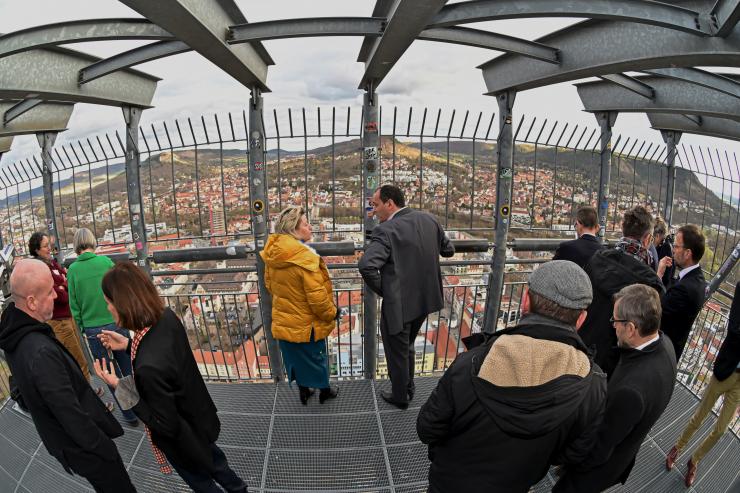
point(643, 346)
point(392, 215)
point(685, 271)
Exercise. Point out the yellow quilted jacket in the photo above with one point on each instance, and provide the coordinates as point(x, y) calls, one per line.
point(301, 290)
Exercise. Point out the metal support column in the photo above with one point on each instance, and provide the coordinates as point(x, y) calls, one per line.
point(260, 222)
point(370, 182)
point(723, 272)
point(504, 179)
point(671, 138)
point(606, 121)
point(132, 116)
point(46, 141)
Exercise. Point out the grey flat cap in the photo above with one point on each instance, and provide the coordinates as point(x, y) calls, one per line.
point(563, 282)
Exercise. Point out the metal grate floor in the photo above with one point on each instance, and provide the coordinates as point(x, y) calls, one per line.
point(355, 443)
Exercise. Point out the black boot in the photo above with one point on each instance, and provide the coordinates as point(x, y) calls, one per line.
point(328, 393)
point(304, 394)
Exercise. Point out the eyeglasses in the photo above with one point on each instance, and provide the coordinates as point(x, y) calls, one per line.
point(613, 320)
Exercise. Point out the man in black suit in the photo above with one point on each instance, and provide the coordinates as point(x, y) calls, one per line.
point(401, 264)
point(725, 382)
point(637, 394)
point(685, 297)
point(72, 421)
point(582, 249)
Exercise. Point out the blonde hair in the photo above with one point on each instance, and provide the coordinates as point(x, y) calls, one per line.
point(288, 220)
point(84, 239)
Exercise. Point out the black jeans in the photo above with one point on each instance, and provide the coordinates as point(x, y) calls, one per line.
point(204, 482)
point(104, 476)
point(401, 357)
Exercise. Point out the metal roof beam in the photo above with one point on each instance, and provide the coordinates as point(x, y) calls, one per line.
point(491, 41)
point(593, 48)
point(701, 77)
point(640, 11)
point(314, 26)
point(631, 84)
point(406, 19)
point(695, 119)
point(51, 74)
point(725, 15)
point(121, 61)
point(78, 32)
point(203, 26)
point(44, 117)
point(5, 144)
point(18, 109)
point(709, 126)
point(671, 96)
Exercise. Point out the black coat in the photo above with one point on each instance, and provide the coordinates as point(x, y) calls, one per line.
point(729, 353)
point(401, 264)
point(681, 304)
point(610, 271)
point(71, 420)
point(173, 400)
point(638, 393)
point(483, 437)
point(579, 251)
point(665, 249)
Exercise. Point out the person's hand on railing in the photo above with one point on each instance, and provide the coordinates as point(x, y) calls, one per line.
point(104, 369)
point(113, 341)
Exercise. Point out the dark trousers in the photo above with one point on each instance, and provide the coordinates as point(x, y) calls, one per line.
point(205, 482)
point(104, 476)
point(401, 357)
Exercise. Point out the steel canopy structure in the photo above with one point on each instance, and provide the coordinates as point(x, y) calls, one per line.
point(700, 125)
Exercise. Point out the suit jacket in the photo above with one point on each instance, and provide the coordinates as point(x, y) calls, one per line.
point(401, 264)
point(637, 394)
point(173, 400)
point(579, 251)
point(71, 420)
point(681, 304)
point(729, 354)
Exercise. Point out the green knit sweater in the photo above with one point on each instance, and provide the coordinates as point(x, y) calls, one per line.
point(86, 301)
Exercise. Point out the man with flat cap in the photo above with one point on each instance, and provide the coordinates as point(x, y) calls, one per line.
point(70, 418)
point(529, 397)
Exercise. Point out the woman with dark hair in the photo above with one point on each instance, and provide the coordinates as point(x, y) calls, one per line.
point(166, 390)
point(303, 310)
point(61, 323)
point(89, 308)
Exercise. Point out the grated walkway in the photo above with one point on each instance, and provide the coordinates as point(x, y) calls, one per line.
point(356, 443)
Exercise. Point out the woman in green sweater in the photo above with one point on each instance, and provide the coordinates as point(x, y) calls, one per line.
point(89, 308)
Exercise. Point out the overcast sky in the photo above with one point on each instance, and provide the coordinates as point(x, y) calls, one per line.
point(311, 72)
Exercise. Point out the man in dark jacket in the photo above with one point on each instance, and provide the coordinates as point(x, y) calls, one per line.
point(71, 420)
point(725, 382)
point(638, 393)
point(528, 398)
point(401, 264)
point(685, 296)
point(582, 249)
point(610, 271)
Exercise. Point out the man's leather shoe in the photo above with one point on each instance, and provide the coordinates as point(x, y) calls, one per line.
point(388, 397)
point(690, 473)
point(671, 458)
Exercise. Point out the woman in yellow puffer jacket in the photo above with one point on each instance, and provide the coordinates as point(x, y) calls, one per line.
point(303, 309)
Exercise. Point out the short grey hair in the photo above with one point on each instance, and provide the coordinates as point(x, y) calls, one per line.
point(288, 220)
point(639, 304)
point(84, 240)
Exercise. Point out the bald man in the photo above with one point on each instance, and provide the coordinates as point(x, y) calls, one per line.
point(71, 420)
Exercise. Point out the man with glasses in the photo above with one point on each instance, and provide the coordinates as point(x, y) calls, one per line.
point(611, 270)
point(637, 394)
point(685, 296)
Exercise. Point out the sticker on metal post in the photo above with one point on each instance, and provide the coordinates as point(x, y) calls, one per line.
point(370, 153)
point(260, 243)
point(505, 173)
point(259, 166)
point(142, 263)
point(372, 182)
point(371, 127)
point(504, 210)
point(370, 167)
point(258, 206)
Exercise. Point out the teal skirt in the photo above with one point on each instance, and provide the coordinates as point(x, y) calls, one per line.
point(306, 362)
